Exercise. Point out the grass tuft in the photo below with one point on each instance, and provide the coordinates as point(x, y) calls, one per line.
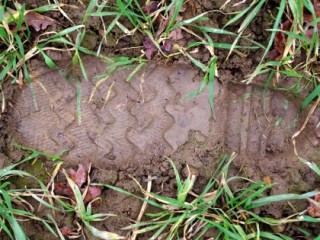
point(218, 210)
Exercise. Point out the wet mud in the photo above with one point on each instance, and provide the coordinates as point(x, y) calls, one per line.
point(128, 128)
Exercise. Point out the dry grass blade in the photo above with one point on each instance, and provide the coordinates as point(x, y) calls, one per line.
point(108, 93)
point(51, 184)
point(3, 103)
point(296, 134)
point(142, 210)
point(47, 93)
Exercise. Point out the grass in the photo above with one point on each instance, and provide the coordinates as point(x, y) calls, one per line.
point(16, 206)
point(161, 34)
point(229, 214)
point(218, 210)
point(301, 39)
point(85, 213)
point(160, 24)
point(14, 202)
point(20, 50)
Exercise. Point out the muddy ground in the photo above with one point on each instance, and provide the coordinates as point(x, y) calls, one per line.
point(131, 131)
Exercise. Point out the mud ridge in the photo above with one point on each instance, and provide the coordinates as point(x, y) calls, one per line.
point(144, 115)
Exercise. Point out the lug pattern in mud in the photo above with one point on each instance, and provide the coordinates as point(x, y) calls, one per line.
point(119, 120)
point(125, 122)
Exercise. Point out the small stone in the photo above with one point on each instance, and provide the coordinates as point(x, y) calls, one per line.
point(278, 228)
point(109, 39)
point(106, 176)
point(90, 40)
point(172, 184)
point(208, 4)
point(164, 167)
point(310, 178)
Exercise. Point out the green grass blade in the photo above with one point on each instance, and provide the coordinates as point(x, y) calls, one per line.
point(238, 16)
point(212, 75)
point(89, 10)
point(28, 80)
point(134, 72)
point(278, 198)
point(176, 5)
point(46, 8)
point(315, 93)
point(66, 31)
point(275, 26)
point(50, 63)
point(251, 16)
point(271, 236)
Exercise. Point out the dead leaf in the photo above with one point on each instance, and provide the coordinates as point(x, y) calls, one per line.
point(152, 7)
point(163, 23)
point(92, 193)
point(280, 40)
point(316, 4)
point(281, 37)
point(66, 231)
point(167, 46)
point(79, 176)
point(210, 196)
point(149, 47)
point(38, 21)
point(63, 190)
point(314, 209)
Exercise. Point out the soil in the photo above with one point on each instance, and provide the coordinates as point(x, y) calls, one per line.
point(129, 128)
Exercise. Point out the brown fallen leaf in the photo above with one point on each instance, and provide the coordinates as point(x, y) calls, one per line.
point(152, 7)
point(149, 47)
point(167, 46)
point(67, 230)
point(314, 209)
point(92, 193)
point(281, 38)
point(79, 176)
point(63, 190)
point(161, 24)
point(38, 21)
